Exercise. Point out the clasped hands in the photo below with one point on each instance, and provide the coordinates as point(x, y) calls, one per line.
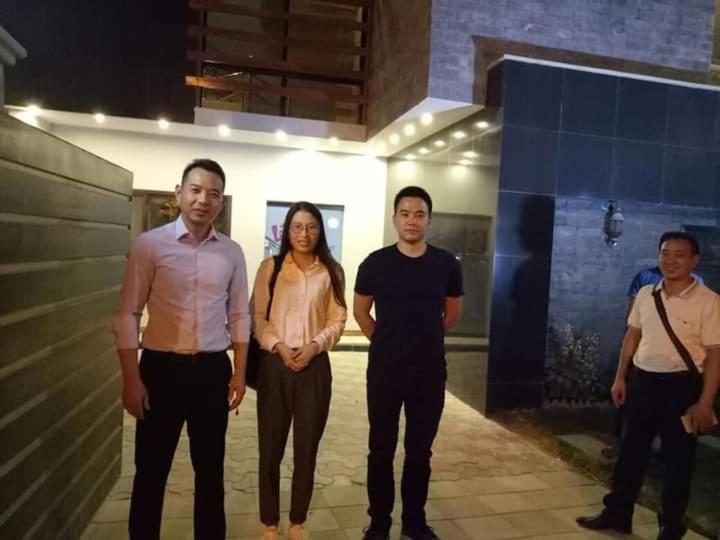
point(298, 358)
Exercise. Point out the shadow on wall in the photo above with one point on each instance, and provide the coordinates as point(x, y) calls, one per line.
point(520, 301)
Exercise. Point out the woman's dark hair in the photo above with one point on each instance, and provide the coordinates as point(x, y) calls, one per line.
point(337, 276)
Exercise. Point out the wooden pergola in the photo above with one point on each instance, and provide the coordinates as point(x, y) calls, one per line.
point(308, 51)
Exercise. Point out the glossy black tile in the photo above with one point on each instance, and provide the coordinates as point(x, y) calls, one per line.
point(528, 160)
point(588, 103)
point(584, 165)
point(531, 95)
point(642, 110)
point(688, 177)
point(691, 116)
point(637, 171)
point(519, 308)
point(524, 224)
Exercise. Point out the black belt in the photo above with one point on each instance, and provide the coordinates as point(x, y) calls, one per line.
point(193, 357)
point(662, 374)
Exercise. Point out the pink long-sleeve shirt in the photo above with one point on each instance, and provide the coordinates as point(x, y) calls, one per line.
point(196, 292)
point(304, 307)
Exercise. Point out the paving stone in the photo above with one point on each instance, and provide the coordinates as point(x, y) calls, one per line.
point(487, 482)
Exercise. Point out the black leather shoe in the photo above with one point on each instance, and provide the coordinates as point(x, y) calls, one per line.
point(425, 534)
point(604, 521)
point(374, 534)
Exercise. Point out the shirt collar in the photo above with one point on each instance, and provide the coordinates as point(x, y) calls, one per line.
point(289, 260)
point(181, 230)
point(685, 291)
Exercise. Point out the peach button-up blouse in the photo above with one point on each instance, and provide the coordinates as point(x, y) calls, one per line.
point(304, 308)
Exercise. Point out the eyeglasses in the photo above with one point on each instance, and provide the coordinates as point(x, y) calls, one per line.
point(298, 228)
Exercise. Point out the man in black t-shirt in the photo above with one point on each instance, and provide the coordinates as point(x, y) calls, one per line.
point(417, 290)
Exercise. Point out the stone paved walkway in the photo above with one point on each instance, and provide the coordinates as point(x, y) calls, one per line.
point(487, 482)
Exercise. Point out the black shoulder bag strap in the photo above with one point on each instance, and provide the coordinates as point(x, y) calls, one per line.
point(277, 266)
point(684, 354)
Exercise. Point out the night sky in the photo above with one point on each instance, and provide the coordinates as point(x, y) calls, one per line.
point(121, 57)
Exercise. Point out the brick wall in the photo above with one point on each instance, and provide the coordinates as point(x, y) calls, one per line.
point(677, 33)
point(588, 280)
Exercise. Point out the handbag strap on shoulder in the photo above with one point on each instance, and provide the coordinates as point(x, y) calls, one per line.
point(277, 266)
point(684, 353)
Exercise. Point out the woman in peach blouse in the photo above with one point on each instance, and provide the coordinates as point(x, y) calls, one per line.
point(306, 319)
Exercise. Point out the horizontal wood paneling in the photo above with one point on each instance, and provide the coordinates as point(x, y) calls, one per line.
point(28, 242)
point(276, 15)
point(49, 370)
point(65, 215)
point(269, 39)
point(56, 402)
point(98, 423)
point(32, 192)
point(19, 291)
point(299, 71)
point(40, 150)
point(101, 483)
point(32, 335)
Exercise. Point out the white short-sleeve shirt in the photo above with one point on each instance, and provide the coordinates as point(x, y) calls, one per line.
point(694, 315)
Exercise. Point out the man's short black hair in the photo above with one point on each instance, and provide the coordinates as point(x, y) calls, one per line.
point(681, 235)
point(413, 191)
point(207, 164)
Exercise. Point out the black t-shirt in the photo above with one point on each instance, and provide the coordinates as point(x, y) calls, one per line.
point(409, 295)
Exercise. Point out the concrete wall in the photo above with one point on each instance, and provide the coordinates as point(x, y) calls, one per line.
point(256, 175)
point(663, 32)
point(65, 217)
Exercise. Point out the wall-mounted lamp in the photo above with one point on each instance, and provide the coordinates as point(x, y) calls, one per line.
point(613, 224)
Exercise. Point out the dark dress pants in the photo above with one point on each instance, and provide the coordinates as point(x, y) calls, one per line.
point(655, 402)
point(423, 396)
point(285, 397)
point(181, 388)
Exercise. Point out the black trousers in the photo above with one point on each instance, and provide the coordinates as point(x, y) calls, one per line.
point(423, 396)
point(303, 398)
point(655, 402)
point(181, 388)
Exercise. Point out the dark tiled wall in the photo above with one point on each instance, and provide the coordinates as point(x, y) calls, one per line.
point(575, 135)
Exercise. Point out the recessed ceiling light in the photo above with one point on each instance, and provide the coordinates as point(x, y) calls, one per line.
point(334, 141)
point(409, 130)
point(439, 143)
point(99, 118)
point(465, 162)
point(424, 151)
point(33, 109)
point(280, 135)
point(164, 124)
point(410, 157)
point(426, 119)
point(223, 130)
point(394, 138)
point(482, 125)
point(459, 135)
point(470, 154)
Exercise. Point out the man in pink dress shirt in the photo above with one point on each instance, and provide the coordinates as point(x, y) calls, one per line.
point(193, 281)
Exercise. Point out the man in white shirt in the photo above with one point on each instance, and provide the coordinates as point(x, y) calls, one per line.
point(663, 388)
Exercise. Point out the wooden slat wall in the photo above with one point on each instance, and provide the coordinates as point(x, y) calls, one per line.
point(65, 217)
